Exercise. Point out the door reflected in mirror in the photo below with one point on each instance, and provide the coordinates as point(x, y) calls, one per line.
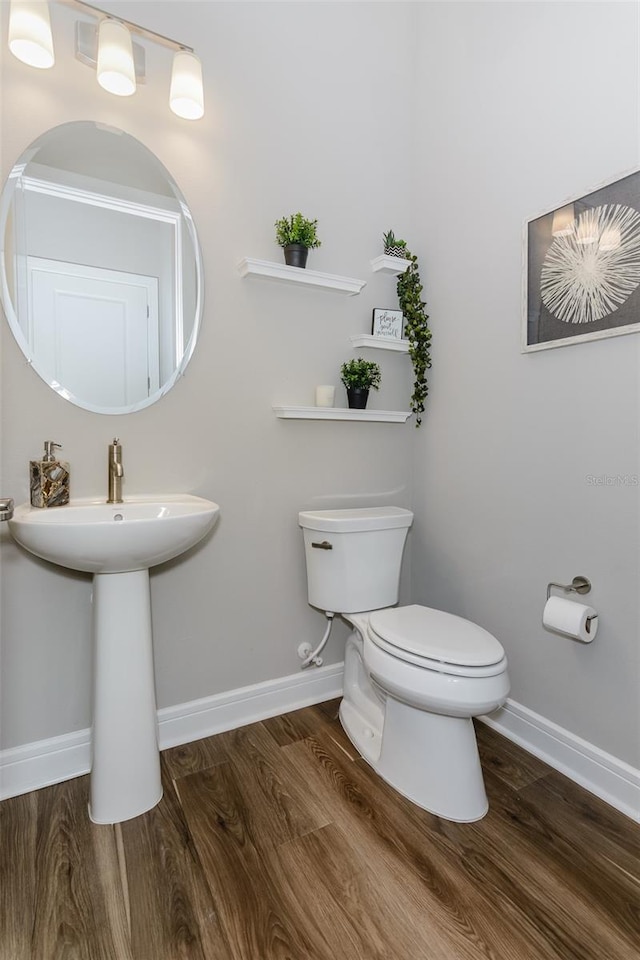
point(100, 267)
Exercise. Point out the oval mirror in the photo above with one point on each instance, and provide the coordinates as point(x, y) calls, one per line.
point(100, 267)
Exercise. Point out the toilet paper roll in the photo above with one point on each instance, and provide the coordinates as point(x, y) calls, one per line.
point(571, 619)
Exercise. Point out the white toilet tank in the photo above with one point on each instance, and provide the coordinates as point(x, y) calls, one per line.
point(354, 556)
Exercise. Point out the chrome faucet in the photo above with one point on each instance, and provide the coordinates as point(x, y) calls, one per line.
point(116, 472)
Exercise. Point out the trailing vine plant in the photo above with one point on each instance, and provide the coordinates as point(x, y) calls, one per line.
point(416, 330)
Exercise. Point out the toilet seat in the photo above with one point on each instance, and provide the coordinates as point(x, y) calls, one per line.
point(435, 640)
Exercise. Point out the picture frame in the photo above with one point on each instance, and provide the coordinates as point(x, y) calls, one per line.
point(387, 324)
point(581, 271)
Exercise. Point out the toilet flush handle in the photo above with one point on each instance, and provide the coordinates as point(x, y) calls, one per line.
point(325, 545)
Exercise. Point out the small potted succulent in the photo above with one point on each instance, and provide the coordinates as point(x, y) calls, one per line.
point(359, 376)
point(394, 247)
point(296, 235)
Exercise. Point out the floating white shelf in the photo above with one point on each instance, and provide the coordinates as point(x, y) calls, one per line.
point(340, 413)
point(379, 343)
point(310, 278)
point(388, 264)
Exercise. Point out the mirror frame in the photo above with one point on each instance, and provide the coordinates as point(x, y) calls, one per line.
point(10, 309)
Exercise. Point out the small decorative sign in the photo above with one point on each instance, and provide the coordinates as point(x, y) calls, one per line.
point(387, 324)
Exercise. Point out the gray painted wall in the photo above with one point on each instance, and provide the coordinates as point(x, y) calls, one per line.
point(451, 123)
point(304, 104)
point(521, 107)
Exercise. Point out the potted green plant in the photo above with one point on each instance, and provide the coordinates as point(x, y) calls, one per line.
point(296, 235)
point(393, 246)
point(359, 376)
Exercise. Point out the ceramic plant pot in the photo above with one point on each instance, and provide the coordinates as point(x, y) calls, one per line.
point(295, 255)
point(357, 397)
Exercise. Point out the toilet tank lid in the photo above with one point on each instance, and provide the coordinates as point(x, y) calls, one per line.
point(355, 520)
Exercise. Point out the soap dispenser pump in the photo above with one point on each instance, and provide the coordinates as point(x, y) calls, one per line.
point(49, 479)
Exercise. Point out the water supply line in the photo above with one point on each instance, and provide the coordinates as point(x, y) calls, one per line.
point(304, 650)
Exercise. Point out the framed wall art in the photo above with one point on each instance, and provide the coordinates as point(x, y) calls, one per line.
point(387, 323)
point(582, 268)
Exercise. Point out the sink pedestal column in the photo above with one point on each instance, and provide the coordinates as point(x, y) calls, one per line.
point(125, 770)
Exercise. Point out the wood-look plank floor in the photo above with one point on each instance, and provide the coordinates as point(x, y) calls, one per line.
point(277, 842)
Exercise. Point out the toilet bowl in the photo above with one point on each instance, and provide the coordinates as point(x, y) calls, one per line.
point(410, 717)
point(414, 677)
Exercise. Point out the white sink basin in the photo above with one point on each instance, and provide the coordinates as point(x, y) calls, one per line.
point(114, 537)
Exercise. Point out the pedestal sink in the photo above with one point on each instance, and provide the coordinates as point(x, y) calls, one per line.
point(118, 543)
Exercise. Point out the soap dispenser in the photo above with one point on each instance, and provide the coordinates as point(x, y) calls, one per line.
point(49, 479)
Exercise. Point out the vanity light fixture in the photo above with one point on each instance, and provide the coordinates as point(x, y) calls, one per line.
point(107, 46)
point(30, 38)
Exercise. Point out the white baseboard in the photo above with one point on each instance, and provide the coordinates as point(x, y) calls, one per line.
point(35, 765)
point(613, 780)
point(44, 762)
point(236, 708)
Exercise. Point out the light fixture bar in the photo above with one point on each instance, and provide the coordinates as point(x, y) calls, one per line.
point(133, 27)
point(120, 63)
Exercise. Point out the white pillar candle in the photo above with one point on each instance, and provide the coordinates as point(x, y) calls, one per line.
point(325, 395)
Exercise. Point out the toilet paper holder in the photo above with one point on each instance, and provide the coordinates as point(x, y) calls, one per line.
point(577, 585)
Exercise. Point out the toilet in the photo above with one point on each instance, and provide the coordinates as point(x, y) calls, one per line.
point(413, 677)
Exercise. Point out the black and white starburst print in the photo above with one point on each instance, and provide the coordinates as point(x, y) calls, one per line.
point(589, 273)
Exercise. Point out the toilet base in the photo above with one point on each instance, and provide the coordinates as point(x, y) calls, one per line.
point(428, 758)
point(366, 737)
point(433, 760)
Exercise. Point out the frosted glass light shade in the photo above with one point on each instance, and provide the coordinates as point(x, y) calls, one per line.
point(30, 38)
point(186, 97)
point(563, 221)
point(115, 71)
